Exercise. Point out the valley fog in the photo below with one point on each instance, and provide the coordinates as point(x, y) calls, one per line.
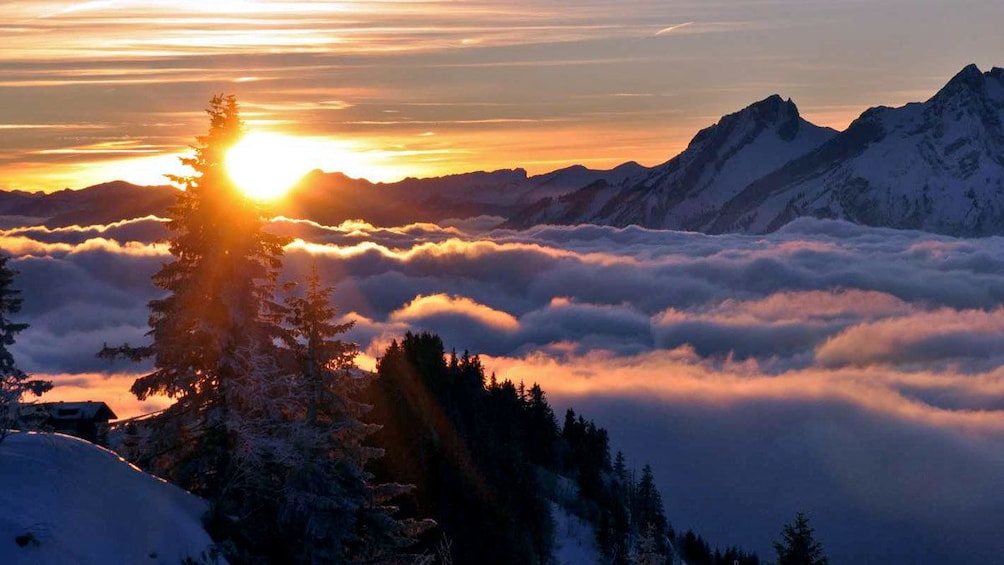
point(850, 372)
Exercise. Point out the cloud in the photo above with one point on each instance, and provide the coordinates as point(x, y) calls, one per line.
point(855, 373)
point(425, 307)
point(971, 337)
point(673, 28)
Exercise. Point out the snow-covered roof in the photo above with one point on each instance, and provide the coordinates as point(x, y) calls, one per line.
point(88, 410)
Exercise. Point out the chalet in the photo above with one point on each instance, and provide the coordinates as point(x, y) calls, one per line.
point(86, 420)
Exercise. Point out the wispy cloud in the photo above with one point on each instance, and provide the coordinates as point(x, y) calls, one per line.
point(673, 28)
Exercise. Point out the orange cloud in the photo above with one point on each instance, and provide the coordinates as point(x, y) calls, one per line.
point(918, 337)
point(20, 246)
point(438, 304)
point(681, 376)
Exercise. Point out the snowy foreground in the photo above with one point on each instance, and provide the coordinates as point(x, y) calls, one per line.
point(65, 500)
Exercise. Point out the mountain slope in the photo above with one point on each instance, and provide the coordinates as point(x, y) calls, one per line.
point(332, 197)
point(688, 191)
point(936, 166)
point(68, 501)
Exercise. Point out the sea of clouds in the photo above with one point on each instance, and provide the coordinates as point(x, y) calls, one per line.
point(853, 373)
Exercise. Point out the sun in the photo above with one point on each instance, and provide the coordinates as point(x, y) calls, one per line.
point(266, 165)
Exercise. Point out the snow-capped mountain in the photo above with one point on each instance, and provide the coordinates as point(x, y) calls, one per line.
point(936, 166)
point(688, 191)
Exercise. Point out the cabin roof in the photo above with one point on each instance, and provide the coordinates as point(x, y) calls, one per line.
point(88, 410)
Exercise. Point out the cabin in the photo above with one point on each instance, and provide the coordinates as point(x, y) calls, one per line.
point(86, 420)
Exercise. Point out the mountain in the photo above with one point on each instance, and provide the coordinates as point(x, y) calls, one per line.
point(936, 166)
point(333, 197)
point(687, 192)
point(99, 204)
point(329, 198)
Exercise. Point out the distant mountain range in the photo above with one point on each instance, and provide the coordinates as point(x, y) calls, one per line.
point(935, 166)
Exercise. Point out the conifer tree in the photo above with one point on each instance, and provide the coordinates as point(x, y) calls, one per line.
point(648, 510)
point(331, 511)
point(797, 545)
point(14, 383)
point(214, 332)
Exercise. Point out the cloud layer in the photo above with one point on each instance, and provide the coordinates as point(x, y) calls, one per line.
point(854, 373)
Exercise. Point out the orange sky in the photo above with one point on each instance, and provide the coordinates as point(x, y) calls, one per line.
point(99, 90)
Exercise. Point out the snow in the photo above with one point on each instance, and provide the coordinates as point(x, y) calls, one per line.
point(83, 504)
point(574, 539)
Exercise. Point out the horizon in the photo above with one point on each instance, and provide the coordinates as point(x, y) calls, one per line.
point(529, 172)
point(389, 91)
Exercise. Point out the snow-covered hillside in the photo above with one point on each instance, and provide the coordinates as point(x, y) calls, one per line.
point(64, 500)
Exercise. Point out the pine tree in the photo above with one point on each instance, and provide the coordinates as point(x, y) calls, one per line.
point(214, 333)
point(648, 510)
point(542, 427)
point(14, 383)
point(797, 546)
point(331, 511)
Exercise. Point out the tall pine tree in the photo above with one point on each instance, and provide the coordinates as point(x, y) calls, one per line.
point(214, 332)
point(14, 383)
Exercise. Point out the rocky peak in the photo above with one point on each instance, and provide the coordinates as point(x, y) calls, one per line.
point(772, 112)
point(972, 84)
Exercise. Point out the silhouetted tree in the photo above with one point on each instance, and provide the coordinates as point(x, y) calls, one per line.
point(797, 545)
point(542, 428)
point(214, 333)
point(14, 383)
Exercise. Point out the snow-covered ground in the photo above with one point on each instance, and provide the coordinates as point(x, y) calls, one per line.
point(64, 500)
point(574, 539)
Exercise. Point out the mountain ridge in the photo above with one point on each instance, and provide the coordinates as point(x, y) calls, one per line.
point(936, 165)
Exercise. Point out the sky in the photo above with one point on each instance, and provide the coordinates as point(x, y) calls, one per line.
point(853, 373)
point(101, 90)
